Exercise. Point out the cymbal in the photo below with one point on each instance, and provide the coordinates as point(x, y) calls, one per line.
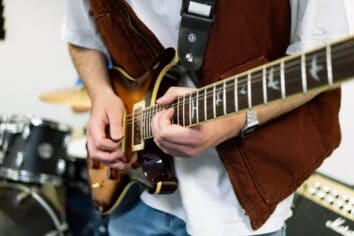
point(76, 97)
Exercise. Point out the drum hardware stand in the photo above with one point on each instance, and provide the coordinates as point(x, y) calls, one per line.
point(60, 227)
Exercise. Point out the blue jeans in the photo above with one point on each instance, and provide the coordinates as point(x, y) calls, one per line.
point(142, 220)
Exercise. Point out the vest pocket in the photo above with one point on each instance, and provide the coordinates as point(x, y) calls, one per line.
point(280, 156)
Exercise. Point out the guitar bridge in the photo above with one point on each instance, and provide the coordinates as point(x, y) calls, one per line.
point(137, 126)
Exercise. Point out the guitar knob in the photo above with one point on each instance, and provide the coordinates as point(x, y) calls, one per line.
point(112, 174)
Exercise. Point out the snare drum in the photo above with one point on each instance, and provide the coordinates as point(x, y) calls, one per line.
point(33, 150)
point(26, 211)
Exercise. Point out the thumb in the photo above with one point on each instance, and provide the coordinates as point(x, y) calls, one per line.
point(115, 126)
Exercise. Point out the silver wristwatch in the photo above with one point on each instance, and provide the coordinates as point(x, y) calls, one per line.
point(252, 124)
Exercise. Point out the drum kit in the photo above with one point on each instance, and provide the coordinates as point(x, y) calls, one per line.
point(43, 177)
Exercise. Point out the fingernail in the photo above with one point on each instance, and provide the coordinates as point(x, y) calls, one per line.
point(117, 139)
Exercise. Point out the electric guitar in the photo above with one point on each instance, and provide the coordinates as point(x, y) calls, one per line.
point(149, 168)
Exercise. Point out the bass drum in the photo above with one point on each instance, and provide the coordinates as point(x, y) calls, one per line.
point(25, 211)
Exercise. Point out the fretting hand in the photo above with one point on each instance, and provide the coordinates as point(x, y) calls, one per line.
point(190, 142)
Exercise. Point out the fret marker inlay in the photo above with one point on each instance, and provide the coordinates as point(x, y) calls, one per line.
point(273, 84)
point(315, 68)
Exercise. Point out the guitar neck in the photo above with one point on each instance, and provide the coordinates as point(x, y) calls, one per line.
point(322, 68)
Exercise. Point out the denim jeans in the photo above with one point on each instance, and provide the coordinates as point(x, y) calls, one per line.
point(143, 220)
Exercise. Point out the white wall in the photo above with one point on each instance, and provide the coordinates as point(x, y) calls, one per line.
point(33, 60)
point(341, 163)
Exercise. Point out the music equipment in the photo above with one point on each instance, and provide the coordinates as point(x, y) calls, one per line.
point(33, 150)
point(24, 210)
point(76, 97)
point(317, 70)
point(322, 206)
point(81, 218)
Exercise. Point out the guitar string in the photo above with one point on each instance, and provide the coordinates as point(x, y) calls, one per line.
point(245, 81)
point(187, 102)
point(190, 121)
point(155, 108)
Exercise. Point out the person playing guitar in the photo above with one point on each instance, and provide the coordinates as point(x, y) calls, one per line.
point(226, 181)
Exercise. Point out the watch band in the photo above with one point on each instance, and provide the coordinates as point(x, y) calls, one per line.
point(252, 124)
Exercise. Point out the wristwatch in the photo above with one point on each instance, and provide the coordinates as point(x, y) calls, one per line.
point(252, 124)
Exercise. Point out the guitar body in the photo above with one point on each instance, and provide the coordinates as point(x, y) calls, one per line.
point(148, 167)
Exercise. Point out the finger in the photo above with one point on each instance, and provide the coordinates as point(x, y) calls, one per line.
point(155, 127)
point(97, 132)
point(118, 165)
point(104, 156)
point(115, 126)
point(171, 94)
point(175, 134)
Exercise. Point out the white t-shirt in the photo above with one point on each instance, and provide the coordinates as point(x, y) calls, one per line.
point(205, 199)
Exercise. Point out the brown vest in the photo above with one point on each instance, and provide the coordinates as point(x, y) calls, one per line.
point(264, 168)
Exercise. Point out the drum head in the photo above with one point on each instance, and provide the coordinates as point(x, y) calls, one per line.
point(25, 213)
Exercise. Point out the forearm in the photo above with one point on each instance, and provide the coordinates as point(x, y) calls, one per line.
point(92, 68)
point(265, 113)
point(271, 111)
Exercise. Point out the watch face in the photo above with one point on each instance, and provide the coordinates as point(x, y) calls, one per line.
point(251, 124)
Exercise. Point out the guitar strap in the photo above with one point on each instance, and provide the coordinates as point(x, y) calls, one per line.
point(197, 18)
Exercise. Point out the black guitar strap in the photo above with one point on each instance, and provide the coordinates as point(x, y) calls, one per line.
point(197, 18)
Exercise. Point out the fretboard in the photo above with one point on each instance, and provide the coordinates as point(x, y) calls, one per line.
point(322, 68)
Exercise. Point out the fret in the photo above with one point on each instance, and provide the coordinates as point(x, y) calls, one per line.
point(316, 68)
point(273, 82)
point(257, 87)
point(219, 100)
point(209, 108)
point(205, 104)
point(197, 101)
point(201, 105)
point(236, 93)
point(264, 82)
point(230, 96)
point(186, 110)
point(143, 124)
point(242, 92)
point(282, 79)
point(183, 111)
point(249, 90)
point(193, 116)
point(303, 73)
point(146, 123)
point(175, 114)
point(342, 60)
point(179, 110)
point(329, 64)
point(149, 121)
point(224, 98)
point(214, 103)
point(293, 74)
point(190, 108)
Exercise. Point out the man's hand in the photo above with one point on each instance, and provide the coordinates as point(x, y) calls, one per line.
point(190, 142)
point(104, 131)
